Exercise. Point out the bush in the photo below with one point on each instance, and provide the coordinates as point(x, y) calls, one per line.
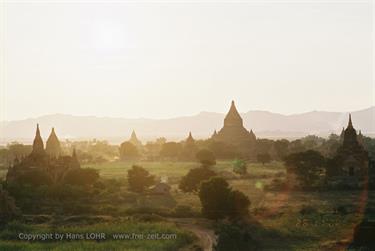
point(8, 209)
point(239, 167)
point(183, 211)
point(219, 200)
point(235, 238)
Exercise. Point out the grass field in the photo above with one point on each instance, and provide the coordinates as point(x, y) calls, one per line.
point(290, 220)
point(286, 220)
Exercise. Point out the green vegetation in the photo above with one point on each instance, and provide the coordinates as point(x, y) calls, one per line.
point(139, 179)
point(191, 181)
point(280, 217)
point(220, 201)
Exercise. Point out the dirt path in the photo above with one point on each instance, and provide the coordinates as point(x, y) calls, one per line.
point(205, 235)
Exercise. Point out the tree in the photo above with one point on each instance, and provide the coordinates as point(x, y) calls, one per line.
point(128, 151)
point(139, 179)
point(219, 200)
point(264, 158)
point(239, 166)
point(234, 237)
point(8, 209)
point(171, 150)
point(223, 150)
point(263, 145)
point(281, 148)
point(34, 177)
point(206, 157)
point(308, 166)
point(191, 181)
point(81, 176)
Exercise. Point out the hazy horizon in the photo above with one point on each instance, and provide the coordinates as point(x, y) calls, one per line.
point(163, 60)
point(185, 115)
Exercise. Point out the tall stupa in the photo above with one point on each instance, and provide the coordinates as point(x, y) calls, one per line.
point(233, 131)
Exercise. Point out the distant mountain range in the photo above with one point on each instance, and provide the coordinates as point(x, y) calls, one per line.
point(264, 124)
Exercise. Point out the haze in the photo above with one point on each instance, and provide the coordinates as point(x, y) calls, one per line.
point(161, 60)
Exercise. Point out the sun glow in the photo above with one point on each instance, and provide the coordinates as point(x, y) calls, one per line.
point(107, 36)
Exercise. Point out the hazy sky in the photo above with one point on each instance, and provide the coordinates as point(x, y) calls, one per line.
point(162, 59)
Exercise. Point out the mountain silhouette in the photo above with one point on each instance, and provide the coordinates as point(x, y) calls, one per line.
point(202, 125)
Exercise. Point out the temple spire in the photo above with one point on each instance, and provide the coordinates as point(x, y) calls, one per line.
point(233, 118)
point(190, 140)
point(350, 124)
point(38, 145)
point(53, 147)
point(134, 139)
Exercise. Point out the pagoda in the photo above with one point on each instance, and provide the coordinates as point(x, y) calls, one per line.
point(351, 159)
point(38, 145)
point(233, 131)
point(134, 140)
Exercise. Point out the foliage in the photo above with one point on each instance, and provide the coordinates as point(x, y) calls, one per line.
point(234, 237)
point(34, 177)
point(81, 176)
point(223, 150)
point(219, 200)
point(8, 209)
point(308, 166)
point(264, 158)
point(239, 166)
point(191, 181)
point(128, 151)
point(206, 157)
point(171, 150)
point(139, 179)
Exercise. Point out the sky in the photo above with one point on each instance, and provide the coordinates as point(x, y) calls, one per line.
point(162, 59)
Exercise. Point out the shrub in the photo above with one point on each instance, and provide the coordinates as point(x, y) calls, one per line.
point(239, 166)
point(8, 209)
point(183, 211)
point(234, 237)
point(219, 200)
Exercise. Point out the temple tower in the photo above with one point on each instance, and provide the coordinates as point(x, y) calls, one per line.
point(53, 147)
point(134, 140)
point(233, 131)
point(38, 146)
